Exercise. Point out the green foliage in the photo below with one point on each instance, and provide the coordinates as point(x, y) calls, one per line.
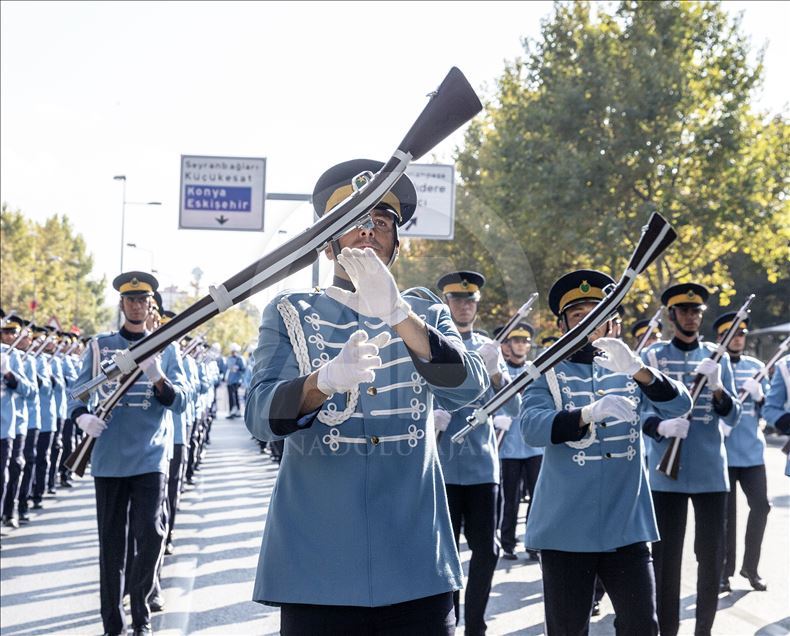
point(612, 115)
point(50, 264)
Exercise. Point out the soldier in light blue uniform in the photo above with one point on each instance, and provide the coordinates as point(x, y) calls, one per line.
point(15, 386)
point(745, 446)
point(520, 461)
point(235, 374)
point(64, 443)
point(639, 329)
point(776, 409)
point(592, 514)
point(49, 369)
point(358, 534)
point(130, 458)
point(702, 475)
point(471, 469)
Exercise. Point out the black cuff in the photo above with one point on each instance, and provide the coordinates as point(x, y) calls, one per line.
point(723, 406)
point(565, 427)
point(284, 415)
point(662, 390)
point(650, 427)
point(167, 395)
point(10, 380)
point(446, 366)
point(783, 424)
point(80, 410)
point(38, 380)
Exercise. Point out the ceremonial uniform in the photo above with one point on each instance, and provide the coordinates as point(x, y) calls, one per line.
point(129, 464)
point(592, 513)
point(702, 475)
point(776, 409)
point(50, 371)
point(358, 517)
point(234, 377)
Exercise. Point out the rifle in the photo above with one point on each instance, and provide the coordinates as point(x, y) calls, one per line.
point(650, 326)
point(517, 318)
point(450, 106)
point(763, 373)
point(657, 235)
point(670, 462)
point(78, 461)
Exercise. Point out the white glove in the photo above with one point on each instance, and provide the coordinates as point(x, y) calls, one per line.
point(754, 388)
point(152, 368)
point(712, 371)
point(726, 429)
point(353, 365)
point(376, 292)
point(616, 406)
point(676, 427)
point(4, 368)
point(618, 356)
point(489, 351)
point(92, 425)
point(441, 419)
point(502, 422)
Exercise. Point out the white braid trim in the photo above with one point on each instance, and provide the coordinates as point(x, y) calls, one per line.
point(331, 416)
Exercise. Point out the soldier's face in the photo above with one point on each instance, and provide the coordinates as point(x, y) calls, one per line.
point(688, 317)
point(379, 236)
point(135, 308)
point(463, 309)
point(576, 314)
point(520, 346)
point(7, 337)
point(737, 344)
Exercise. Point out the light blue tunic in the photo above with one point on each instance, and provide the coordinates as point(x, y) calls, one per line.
point(136, 439)
point(476, 460)
point(703, 459)
point(57, 367)
point(591, 495)
point(777, 398)
point(46, 393)
point(12, 401)
point(746, 443)
point(358, 515)
point(514, 446)
point(235, 369)
point(31, 416)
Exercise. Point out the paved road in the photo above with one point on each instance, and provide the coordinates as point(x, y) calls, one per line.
point(49, 569)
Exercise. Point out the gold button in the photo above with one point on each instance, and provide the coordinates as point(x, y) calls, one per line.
point(372, 390)
point(375, 440)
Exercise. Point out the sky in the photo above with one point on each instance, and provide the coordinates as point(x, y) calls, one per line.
point(92, 90)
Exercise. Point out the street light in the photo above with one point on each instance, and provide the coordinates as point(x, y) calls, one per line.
point(150, 254)
point(122, 177)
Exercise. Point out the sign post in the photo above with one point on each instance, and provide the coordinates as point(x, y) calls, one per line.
point(434, 217)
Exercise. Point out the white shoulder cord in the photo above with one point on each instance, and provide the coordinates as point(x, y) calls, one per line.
point(784, 369)
point(331, 416)
point(554, 388)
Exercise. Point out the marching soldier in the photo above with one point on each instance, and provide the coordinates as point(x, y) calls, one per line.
point(471, 469)
point(703, 461)
point(745, 446)
point(233, 379)
point(129, 461)
point(51, 373)
point(639, 329)
point(15, 386)
point(349, 377)
point(776, 409)
point(592, 513)
point(520, 461)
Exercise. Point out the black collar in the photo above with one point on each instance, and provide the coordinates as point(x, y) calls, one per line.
point(584, 355)
point(131, 335)
point(735, 358)
point(685, 346)
point(343, 283)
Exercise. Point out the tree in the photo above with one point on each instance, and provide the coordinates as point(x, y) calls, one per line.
point(610, 116)
point(44, 270)
point(238, 324)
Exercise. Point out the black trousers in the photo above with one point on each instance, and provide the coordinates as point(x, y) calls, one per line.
point(755, 487)
point(177, 464)
point(16, 464)
point(233, 396)
point(70, 437)
point(513, 471)
point(117, 499)
point(710, 510)
point(42, 464)
point(475, 509)
point(429, 616)
point(5, 457)
point(55, 452)
point(569, 585)
point(25, 487)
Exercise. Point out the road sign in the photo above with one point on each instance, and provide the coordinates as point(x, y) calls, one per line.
point(222, 193)
point(435, 214)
